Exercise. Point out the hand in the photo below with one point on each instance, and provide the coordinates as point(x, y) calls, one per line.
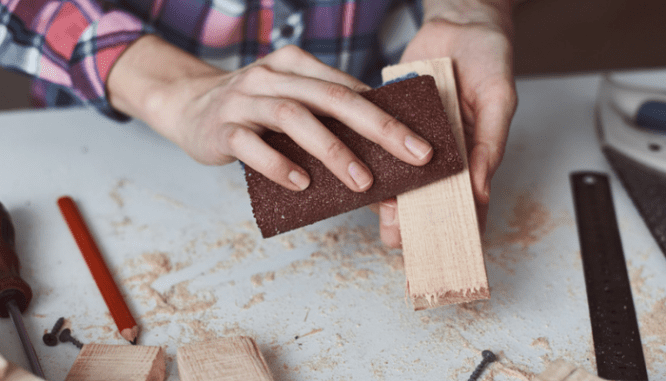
point(218, 117)
point(482, 58)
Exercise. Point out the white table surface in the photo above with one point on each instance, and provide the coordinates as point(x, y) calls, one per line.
point(181, 242)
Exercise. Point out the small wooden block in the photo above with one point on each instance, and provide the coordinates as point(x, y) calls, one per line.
point(441, 241)
point(561, 370)
point(224, 359)
point(102, 362)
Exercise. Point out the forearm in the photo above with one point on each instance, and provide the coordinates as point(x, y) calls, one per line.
point(495, 14)
point(150, 78)
point(66, 43)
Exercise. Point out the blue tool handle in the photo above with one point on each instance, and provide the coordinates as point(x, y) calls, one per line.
point(652, 116)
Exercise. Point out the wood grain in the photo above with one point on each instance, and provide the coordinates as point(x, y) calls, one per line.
point(102, 362)
point(440, 233)
point(224, 359)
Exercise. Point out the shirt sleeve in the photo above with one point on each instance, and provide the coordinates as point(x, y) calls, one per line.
point(71, 43)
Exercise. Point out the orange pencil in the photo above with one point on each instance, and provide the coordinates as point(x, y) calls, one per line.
point(112, 297)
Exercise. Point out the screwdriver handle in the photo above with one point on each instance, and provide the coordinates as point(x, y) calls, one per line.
point(12, 287)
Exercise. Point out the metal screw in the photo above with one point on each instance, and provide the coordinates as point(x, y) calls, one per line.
point(50, 338)
point(488, 357)
point(66, 335)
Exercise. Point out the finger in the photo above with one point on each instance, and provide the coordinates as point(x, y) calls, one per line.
point(374, 208)
point(294, 60)
point(291, 118)
point(248, 147)
point(495, 109)
point(389, 226)
point(349, 107)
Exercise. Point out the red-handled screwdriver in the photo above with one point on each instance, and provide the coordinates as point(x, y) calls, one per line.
point(15, 294)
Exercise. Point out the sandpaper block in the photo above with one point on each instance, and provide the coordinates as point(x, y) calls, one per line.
point(416, 103)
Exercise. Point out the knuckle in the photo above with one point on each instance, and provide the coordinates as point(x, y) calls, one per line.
point(285, 111)
point(337, 93)
point(388, 126)
point(335, 150)
point(236, 137)
point(257, 74)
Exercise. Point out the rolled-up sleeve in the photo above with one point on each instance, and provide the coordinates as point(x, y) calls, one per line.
point(73, 44)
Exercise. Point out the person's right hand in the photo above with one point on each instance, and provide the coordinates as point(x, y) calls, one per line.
point(218, 117)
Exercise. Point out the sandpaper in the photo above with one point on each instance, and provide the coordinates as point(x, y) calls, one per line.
point(416, 103)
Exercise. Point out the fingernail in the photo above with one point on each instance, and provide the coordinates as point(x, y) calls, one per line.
point(361, 176)
point(387, 214)
point(417, 146)
point(300, 180)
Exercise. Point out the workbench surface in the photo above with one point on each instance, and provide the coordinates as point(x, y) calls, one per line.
point(326, 302)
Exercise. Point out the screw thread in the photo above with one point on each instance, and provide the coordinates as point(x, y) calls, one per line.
point(66, 335)
point(58, 325)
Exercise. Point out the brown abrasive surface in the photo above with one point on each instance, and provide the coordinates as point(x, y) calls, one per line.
point(416, 103)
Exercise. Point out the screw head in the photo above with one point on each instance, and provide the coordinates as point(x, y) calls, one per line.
point(50, 339)
point(65, 335)
point(489, 356)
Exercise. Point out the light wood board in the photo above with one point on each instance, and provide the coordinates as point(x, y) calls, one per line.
point(441, 241)
point(102, 362)
point(561, 370)
point(223, 359)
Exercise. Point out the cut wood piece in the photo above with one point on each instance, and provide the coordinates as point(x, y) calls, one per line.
point(223, 359)
point(102, 362)
point(561, 370)
point(441, 241)
point(13, 372)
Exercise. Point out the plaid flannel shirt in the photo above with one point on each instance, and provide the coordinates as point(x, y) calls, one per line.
point(69, 46)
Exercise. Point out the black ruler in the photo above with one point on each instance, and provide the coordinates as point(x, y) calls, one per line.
point(617, 342)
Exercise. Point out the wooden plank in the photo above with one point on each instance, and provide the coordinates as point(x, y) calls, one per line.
point(12, 372)
point(441, 241)
point(560, 370)
point(223, 359)
point(102, 362)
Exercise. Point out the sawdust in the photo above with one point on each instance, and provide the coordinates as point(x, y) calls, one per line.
point(504, 366)
point(198, 329)
point(287, 242)
point(177, 300)
point(256, 299)
point(159, 262)
point(124, 223)
point(541, 342)
point(115, 192)
point(168, 200)
point(315, 330)
point(363, 274)
point(258, 279)
point(528, 224)
point(653, 335)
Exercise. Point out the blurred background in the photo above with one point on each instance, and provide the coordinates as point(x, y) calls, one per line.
point(552, 37)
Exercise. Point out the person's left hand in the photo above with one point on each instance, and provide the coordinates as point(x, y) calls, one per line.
point(483, 62)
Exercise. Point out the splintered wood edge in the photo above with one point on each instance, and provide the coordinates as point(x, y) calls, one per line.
point(423, 302)
point(189, 355)
point(439, 290)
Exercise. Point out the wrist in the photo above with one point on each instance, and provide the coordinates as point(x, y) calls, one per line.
point(153, 81)
point(493, 14)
